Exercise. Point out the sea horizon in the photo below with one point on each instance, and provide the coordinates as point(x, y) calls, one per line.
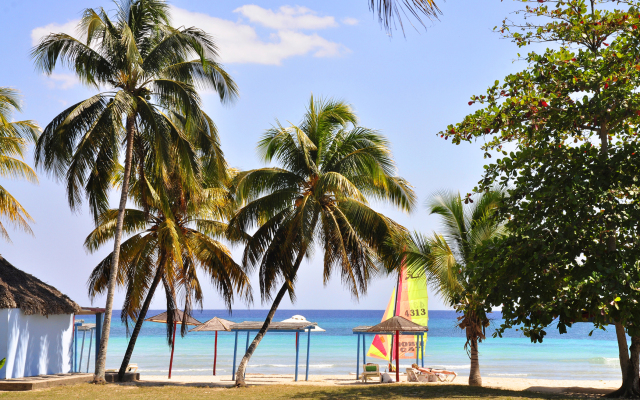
point(567, 356)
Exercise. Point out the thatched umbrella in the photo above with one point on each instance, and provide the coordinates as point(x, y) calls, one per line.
point(215, 324)
point(178, 318)
point(32, 296)
point(396, 325)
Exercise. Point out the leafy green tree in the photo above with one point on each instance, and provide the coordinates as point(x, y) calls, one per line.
point(571, 119)
point(328, 169)
point(151, 72)
point(447, 257)
point(14, 137)
point(172, 237)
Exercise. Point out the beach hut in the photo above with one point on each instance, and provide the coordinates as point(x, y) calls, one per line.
point(216, 325)
point(36, 325)
point(178, 318)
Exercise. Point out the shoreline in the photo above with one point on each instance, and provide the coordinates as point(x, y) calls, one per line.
point(557, 386)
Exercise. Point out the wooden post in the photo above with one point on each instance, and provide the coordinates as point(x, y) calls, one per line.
point(173, 345)
point(215, 354)
point(235, 350)
point(397, 356)
point(297, 356)
point(358, 359)
point(306, 377)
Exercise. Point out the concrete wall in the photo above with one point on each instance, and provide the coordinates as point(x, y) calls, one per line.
point(35, 345)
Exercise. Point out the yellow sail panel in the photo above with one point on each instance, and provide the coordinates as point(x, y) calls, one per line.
point(380, 347)
point(413, 305)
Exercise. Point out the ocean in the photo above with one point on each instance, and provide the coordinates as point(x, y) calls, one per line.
point(574, 355)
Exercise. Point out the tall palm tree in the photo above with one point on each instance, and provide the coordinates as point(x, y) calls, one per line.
point(444, 259)
point(328, 170)
point(172, 236)
point(150, 71)
point(14, 137)
point(390, 10)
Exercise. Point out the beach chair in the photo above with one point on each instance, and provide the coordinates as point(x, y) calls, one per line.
point(370, 371)
point(415, 376)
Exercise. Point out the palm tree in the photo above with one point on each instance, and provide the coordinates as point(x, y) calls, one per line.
point(151, 71)
point(444, 258)
point(389, 10)
point(329, 168)
point(172, 236)
point(14, 137)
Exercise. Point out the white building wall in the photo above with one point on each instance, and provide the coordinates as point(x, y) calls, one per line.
point(34, 344)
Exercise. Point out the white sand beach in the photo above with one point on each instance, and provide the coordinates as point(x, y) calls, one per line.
point(518, 384)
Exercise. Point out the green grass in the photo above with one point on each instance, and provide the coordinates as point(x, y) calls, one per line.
point(173, 392)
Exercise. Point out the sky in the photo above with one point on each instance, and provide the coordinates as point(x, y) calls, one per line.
point(279, 52)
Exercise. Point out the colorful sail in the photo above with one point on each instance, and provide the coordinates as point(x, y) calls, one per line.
point(411, 302)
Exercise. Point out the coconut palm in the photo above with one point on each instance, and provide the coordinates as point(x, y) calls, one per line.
point(14, 137)
point(328, 170)
point(389, 10)
point(172, 237)
point(444, 259)
point(150, 72)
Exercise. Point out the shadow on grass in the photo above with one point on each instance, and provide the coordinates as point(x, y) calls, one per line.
point(429, 392)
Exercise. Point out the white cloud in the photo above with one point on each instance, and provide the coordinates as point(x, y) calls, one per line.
point(350, 21)
point(61, 81)
point(287, 17)
point(40, 32)
point(240, 43)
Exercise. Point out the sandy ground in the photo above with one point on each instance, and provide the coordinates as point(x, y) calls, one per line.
point(518, 384)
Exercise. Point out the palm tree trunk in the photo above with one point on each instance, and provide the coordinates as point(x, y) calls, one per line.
point(276, 302)
point(102, 354)
point(139, 321)
point(623, 349)
point(631, 382)
point(474, 373)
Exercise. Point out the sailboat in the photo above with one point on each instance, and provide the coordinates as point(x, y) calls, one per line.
point(409, 299)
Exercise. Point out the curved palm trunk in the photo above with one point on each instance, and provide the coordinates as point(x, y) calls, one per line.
point(102, 354)
point(265, 327)
point(474, 373)
point(139, 321)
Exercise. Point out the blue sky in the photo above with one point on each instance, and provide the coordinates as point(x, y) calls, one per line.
point(279, 53)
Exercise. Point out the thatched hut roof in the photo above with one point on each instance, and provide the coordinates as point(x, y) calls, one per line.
point(28, 293)
point(178, 316)
point(213, 325)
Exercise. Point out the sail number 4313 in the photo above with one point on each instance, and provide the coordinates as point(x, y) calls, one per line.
point(415, 312)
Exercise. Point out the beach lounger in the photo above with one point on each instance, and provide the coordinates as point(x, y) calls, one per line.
point(370, 371)
point(415, 376)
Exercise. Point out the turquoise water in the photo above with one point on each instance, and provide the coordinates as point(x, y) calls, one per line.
point(574, 355)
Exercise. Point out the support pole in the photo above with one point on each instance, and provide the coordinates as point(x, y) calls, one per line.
point(397, 356)
point(358, 359)
point(84, 335)
point(297, 354)
point(235, 350)
point(364, 349)
point(417, 348)
point(98, 336)
point(89, 351)
point(422, 339)
point(306, 376)
point(246, 348)
point(215, 354)
point(173, 345)
point(75, 351)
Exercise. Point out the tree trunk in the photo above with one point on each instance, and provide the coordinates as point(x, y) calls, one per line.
point(631, 382)
point(276, 302)
point(623, 350)
point(102, 354)
point(474, 373)
point(139, 321)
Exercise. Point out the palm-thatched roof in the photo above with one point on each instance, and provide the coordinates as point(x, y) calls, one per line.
point(391, 325)
point(212, 325)
point(178, 317)
point(28, 293)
